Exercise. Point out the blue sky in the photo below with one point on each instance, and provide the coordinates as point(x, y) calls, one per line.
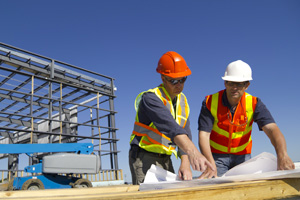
point(125, 39)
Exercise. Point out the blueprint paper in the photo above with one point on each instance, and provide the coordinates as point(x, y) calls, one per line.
point(264, 162)
point(156, 174)
point(161, 179)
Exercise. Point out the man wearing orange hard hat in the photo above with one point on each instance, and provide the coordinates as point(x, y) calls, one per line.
point(162, 123)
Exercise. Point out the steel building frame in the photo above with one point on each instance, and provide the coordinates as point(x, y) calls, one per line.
point(43, 100)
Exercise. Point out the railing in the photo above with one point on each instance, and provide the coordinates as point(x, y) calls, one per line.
point(103, 175)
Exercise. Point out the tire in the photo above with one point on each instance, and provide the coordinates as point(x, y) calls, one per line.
point(33, 184)
point(82, 183)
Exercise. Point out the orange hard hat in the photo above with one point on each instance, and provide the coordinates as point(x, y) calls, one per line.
point(173, 65)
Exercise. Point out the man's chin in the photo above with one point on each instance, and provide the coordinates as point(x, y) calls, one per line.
point(235, 97)
point(178, 92)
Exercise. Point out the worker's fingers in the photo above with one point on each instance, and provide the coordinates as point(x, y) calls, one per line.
point(180, 175)
point(287, 167)
point(208, 164)
point(196, 165)
point(202, 165)
point(189, 178)
point(203, 175)
point(285, 164)
point(185, 175)
point(199, 162)
point(208, 173)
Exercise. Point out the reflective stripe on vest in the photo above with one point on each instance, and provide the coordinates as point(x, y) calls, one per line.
point(231, 135)
point(153, 135)
point(152, 140)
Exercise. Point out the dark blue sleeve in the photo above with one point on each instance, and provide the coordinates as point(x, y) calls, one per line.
point(262, 115)
point(152, 109)
point(205, 120)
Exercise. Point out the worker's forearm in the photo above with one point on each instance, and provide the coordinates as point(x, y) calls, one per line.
point(184, 143)
point(277, 139)
point(284, 162)
point(185, 161)
point(280, 146)
point(205, 146)
point(196, 159)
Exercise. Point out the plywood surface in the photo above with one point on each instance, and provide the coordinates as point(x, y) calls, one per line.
point(268, 189)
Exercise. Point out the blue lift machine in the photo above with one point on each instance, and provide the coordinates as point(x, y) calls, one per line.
point(55, 170)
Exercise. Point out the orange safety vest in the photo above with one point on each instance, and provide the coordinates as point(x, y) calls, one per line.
point(153, 140)
point(231, 135)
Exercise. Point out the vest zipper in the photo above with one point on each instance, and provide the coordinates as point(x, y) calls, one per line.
point(230, 133)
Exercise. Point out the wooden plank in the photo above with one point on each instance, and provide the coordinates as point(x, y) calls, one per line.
point(68, 192)
point(267, 189)
point(3, 186)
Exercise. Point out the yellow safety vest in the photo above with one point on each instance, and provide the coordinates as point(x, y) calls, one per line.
point(152, 140)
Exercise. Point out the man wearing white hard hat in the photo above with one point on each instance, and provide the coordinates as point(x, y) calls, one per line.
point(225, 124)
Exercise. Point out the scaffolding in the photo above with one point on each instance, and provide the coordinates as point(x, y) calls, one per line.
point(43, 100)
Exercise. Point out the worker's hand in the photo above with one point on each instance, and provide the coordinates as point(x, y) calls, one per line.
point(198, 161)
point(185, 172)
point(285, 163)
point(208, 173)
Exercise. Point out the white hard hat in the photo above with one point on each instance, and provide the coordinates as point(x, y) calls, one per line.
point(238, 71)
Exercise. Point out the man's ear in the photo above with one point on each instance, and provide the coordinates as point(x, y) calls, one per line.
point(162, 78)
point(247, 85)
